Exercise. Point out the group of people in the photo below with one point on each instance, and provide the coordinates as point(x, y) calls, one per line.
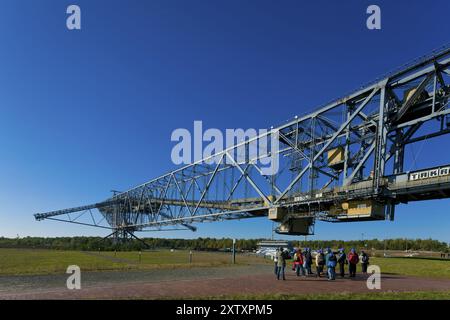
point(303, 261)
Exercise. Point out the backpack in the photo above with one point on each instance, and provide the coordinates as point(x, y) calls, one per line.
point(321, 259)
point(353, 258)
point(365, 259)
point(332, 261)
point(308, 257)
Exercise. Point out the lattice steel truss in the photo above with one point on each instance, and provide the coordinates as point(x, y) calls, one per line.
point(370, 127)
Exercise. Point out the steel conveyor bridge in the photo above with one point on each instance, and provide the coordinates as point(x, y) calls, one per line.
point(343, 162)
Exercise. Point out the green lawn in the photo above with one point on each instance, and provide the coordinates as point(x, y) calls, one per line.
point(414, 267)
point(165, 258)
point(28, 261)
point(419, 295)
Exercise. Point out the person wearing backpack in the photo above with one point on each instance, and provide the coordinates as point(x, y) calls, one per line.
point(364, 261)
point(298, 263)
point(331, 265)
point(342, 261)
point(352, 262)
point(320, 262)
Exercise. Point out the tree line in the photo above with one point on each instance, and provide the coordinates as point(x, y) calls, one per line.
point(212, 244)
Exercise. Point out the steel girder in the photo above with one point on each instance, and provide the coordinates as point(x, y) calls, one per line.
point(372, 126)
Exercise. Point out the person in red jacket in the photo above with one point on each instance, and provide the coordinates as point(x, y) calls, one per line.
point(353, 260)
point(298, 263)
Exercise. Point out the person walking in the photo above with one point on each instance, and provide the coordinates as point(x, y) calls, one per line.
point(331, 265)
point(352, 262)
point(320, 262)
point(281, 264)
point(342, 261)
point(364, 261)
point(298, 263)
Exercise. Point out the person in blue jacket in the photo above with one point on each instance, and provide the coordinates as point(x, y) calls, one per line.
point(308, 261)
point(342, 261)
point(327, 252)
point(331, 265)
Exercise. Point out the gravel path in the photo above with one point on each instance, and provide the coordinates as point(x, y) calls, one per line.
point(25, 283)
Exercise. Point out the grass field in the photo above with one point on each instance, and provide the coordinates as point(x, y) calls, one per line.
point(419, 295)
point(28, 261)
point(19, 262)
point(181, 257)
point(414, 267)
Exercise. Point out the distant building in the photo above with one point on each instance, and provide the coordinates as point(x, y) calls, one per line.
point(268, 248)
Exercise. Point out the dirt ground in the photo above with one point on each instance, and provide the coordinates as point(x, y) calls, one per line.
point(195, 283)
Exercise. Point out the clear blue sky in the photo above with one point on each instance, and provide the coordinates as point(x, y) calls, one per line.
point(84, 112)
